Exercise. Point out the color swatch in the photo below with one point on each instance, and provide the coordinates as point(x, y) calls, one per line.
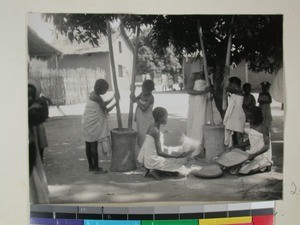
point(258, 213)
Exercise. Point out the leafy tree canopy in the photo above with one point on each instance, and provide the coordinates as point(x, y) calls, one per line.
point(255, 38)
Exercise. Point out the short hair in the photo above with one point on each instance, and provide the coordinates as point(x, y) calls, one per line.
point(148, 85)
point(158, 113)
point(247, 87)
point(32, 91)
point(235, 80)
point(100, 85)
point(255, 115)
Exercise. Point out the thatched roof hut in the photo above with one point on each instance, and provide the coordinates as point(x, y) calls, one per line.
point(39, 48)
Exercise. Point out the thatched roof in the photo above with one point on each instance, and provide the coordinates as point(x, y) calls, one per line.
point(37, 47)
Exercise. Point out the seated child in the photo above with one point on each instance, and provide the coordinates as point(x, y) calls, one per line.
point(156, 158)
point(234, 119)
point(260, 152)
point(249, 100)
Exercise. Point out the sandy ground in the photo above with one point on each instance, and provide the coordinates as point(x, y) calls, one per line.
point(70, 182)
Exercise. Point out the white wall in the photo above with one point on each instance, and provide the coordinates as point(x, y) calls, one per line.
point(125, 58)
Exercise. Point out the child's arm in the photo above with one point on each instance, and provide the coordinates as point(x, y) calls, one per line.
point(190, 88)
point(264, 148)
point(241, 145)
point(109, 100)
point(265, 98)
point(145, 106)
point(253, 101)
point(110, 108)
point(135, 99)
point(156, 135)
point(97, 98)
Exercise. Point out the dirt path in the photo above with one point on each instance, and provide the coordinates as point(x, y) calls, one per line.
point(70, 182)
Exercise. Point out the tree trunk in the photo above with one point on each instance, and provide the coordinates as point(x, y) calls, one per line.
point(113, 68)
point(218, 85)
point(132, 87)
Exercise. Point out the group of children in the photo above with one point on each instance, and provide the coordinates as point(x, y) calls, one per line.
point(241, 109)
point(159, 159)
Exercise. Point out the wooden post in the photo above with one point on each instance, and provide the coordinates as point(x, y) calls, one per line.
point(246, 73)
point(227, 68)
point(132, 86)
point(113, 68)
point(206, 73)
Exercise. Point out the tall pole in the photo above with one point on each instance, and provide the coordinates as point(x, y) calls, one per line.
point(227, 68)
point(113, 68)
point(246, 73)
point(132, 86)
point(206, 73)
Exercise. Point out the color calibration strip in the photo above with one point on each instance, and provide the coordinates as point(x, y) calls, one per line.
point(257, 213)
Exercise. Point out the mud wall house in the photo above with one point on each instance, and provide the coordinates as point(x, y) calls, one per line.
point(96, 58)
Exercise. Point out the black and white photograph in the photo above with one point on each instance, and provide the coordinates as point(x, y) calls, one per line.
point(149, 108)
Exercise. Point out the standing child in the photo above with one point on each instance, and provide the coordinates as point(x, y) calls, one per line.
point(260, 152)
point(234, 119)
point(265, 100)
point(249, 100)
point(154, 155)
point(180, 81)
point(198, 110)
point(39, 193)
point(95, 125)
point(143, 114)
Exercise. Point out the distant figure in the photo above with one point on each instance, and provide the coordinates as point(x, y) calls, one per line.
point(265, 100)
point(249, 100)
point(198, 110)
point(180, 81)
point(260, 152)
point(39, 193)
point(234, 119)
point(143, 114)
point(164, 82)
point(154, 155)
point(95, 125)
point(170, 82)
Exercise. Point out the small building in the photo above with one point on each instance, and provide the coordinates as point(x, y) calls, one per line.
point(84, 55)
point(40, 53)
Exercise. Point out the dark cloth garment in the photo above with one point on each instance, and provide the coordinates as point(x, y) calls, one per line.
point(36, 116)
point(264, 98)
point(248, 101)
point(265, 101)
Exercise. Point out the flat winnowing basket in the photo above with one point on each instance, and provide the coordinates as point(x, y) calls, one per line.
point(232, 158)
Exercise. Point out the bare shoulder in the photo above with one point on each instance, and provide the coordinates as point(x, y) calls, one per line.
point(151, 98)
point(154, 132)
